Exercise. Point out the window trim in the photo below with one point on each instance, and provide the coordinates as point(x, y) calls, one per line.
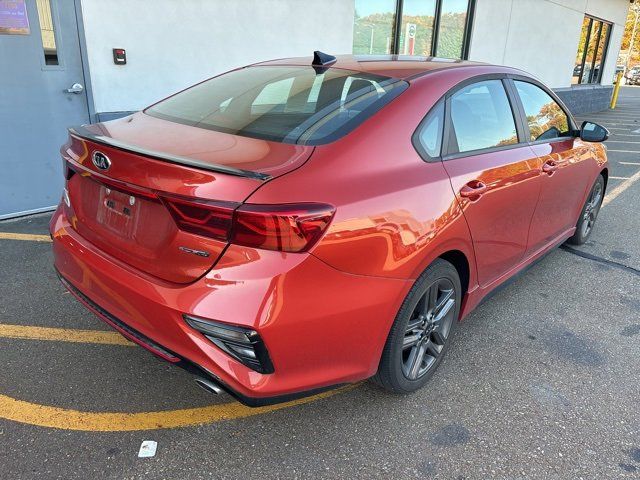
point(517, 110)
point(605, 50)
point(417, 133)
point(595, 56)
point(447, 153)
point(573, 130)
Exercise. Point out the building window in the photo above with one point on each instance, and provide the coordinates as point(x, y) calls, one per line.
point(47, 31)
point(592, 51)
point(374, 26)
point(413, 27)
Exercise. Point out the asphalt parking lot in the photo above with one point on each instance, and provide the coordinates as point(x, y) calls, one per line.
point(542, 380)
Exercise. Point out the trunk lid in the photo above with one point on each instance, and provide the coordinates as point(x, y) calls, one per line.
point(155, 169)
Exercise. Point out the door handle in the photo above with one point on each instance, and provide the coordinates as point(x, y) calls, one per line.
point(549, 167)
point(475, 188)
point(75, 88)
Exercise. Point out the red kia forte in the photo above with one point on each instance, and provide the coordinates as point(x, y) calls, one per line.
point(303, 223)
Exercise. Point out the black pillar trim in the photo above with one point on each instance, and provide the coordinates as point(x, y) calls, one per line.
point(595, 54)
point(397, 28)
point(436, 29)
point(466, 41)
point(586, 49)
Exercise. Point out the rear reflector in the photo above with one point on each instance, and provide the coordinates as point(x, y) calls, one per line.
point(243, 344)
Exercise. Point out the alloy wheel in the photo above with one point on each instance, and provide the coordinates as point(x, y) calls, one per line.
point(591, 209)
point(428, 329)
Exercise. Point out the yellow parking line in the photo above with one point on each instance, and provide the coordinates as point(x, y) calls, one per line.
point(29, 332)
point(65, 419)
point(24, 236)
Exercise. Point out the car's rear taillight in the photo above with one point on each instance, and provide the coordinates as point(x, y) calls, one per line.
point(294, 227)
point(208, 218)
point(287, 228)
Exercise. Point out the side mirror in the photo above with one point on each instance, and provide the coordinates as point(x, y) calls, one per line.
point(592, 132)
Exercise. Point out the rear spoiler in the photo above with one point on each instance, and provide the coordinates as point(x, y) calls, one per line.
point(84, 133)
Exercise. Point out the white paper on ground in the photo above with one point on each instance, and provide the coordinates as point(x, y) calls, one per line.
point(148, 449)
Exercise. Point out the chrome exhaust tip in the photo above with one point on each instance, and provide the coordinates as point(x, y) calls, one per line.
point(208, 385)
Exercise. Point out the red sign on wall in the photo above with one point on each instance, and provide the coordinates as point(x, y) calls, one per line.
point(411, 39)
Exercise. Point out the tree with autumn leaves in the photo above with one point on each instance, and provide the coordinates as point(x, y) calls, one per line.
point(634, 50)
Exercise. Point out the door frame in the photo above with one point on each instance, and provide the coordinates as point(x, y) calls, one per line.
point(84, 60)
point(84, 57)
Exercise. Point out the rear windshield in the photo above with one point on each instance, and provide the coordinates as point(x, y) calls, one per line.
point(289, 104)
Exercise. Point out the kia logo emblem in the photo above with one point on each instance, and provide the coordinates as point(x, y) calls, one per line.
point(101, 161)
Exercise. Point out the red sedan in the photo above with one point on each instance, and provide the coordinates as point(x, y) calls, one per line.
point(298, 224)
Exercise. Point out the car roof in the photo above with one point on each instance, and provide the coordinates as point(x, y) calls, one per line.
point(397, 66)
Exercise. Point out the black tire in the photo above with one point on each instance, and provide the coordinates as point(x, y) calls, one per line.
point(589, 213)
point(396, 371)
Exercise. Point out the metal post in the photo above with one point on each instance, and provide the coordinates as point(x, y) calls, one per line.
point(371, 41)
point(616, 91)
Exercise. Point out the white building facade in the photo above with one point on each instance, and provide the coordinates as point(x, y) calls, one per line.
point(69, 62)
point(172, 44)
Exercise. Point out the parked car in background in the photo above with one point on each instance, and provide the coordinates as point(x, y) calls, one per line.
point(633, 77)
point(299, 224)
point(632, 72)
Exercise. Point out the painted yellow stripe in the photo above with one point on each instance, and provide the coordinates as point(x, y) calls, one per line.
point(54, 417)
point(24, 236)
point(613, 194)
point(63, 335)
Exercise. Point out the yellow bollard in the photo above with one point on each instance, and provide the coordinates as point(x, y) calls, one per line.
point(616, 90)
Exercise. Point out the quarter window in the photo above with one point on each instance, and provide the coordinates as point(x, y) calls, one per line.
point(481, 117)
point(430, 135)
point(545, 117)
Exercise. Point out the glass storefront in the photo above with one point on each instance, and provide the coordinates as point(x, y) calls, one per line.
point(412, 27)
point(592, 48)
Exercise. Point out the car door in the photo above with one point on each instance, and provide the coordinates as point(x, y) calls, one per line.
point(41, 93)
point(493, 173)
point(566, 172)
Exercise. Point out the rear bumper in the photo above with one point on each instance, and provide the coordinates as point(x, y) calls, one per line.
point(322, 327)
point(183, 363)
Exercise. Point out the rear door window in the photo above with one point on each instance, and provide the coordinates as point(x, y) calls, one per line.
point(481, 118)
point(290, 104)
point(546, 118)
